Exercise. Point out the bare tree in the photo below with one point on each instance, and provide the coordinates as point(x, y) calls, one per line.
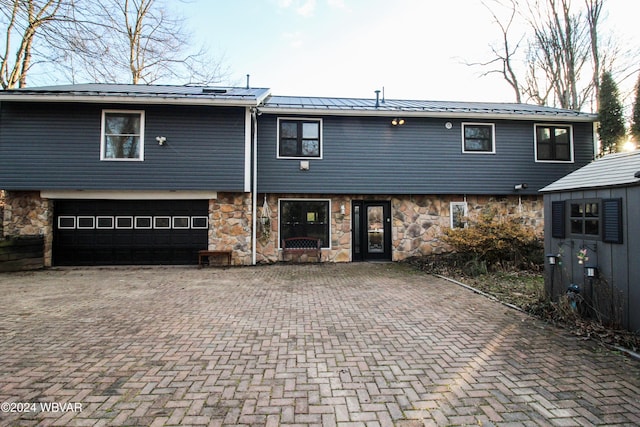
point(562, 42)
point(139, 41)
point(22, 21)
point(594, 9)
point(505, 52)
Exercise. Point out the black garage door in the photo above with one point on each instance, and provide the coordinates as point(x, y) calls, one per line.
point(129, 232)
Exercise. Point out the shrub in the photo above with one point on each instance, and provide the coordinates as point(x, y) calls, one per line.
point(494, 241)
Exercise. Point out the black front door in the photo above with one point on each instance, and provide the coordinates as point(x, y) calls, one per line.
point(371, 230)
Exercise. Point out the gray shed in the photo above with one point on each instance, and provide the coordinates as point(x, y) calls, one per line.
point(592, 238)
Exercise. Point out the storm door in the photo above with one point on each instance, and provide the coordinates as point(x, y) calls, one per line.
point(371, 230)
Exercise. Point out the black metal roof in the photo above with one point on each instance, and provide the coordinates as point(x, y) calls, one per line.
point(415, 107)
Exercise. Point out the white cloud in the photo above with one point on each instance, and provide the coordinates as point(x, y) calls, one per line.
point(294, 40)
point(307, 9)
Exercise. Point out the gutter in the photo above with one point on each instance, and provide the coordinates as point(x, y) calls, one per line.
point(254, 185)
point(147, 100)
point(578, 117)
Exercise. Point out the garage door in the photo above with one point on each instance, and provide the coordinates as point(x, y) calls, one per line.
point(129, 232)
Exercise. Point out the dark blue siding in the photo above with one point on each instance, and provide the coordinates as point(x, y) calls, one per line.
point(366, 155)
point(57, 146)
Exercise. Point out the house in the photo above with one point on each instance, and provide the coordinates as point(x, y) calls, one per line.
point(126, 174)
point(591, 236)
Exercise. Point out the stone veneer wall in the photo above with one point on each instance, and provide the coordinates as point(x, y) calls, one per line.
point(417, 227)
point(419, 221)
point(230, 226)
point(27, 214)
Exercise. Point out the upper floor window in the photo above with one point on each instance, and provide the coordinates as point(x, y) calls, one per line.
point(122, 135)
point(300, 138)
point(478, 138)
point(553, 143)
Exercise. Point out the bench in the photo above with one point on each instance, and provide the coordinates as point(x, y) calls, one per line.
point(212, 254)
point(301, 245)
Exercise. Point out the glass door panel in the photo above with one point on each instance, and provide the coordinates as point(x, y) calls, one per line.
point(375, 229)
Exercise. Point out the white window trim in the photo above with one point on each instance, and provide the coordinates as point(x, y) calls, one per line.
point(81, 217)
point(535, 142)
point(451, 205)
point(304, 200)
point(103, 139)
point(299, 119)
point(175, 226)
point(493, 137)
point(155, 226)
point(119, 227)
point(193, 220)
point(99, 227)
point(137, 227)
point(63, 217)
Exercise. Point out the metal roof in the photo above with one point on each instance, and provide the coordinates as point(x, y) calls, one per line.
point(138, 94)
point(612, 170)
point(361, 106)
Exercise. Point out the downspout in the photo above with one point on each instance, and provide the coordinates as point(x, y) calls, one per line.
point(254, 185)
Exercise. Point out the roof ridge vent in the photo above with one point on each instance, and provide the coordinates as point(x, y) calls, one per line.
point(213, 90)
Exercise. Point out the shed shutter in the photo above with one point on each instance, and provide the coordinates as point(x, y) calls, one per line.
point(557, 220)
point(612, 220)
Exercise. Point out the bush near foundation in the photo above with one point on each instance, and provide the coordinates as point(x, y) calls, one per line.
point(494, 241)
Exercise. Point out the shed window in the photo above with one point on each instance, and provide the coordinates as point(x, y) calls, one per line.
point(478, 138)
point(122, 135)
point(584, 218)
point(299, 138)
point(553, 143)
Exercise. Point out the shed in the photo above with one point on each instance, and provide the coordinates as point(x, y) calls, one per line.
point(592, 237)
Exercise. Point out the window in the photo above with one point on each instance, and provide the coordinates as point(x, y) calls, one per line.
point(553, 143)
point(122, 135)
point(104, 222)
point(301, 138)
point(458, 212)
point(478, 138)
point(305, 218)
point(584, 218)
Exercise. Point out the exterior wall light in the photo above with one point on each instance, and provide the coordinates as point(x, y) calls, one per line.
point(397, 122)
point(590, 271)
point(552, 259)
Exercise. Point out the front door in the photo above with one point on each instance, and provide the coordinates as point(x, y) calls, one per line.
point(371, 230)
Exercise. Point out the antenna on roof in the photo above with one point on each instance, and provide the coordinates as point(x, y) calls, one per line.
point(383, 94)
point(248, 75)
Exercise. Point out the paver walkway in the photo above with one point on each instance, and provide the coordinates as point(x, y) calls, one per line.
point(349, 345)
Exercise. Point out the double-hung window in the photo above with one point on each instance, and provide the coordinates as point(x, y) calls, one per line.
point(553, 143)
point(299, 138)
point(122, 135)
point(478, 138)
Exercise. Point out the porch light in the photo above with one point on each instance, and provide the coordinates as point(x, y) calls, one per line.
point(590, 271)
point(552, 259)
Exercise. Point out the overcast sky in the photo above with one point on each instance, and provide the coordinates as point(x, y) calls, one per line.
point(415, 49)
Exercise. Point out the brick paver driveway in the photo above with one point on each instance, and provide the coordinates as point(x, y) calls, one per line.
point(351, 344)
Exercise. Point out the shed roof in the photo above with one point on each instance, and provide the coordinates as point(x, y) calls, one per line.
point(363, 106)
point(139, 94)
point(612, 170)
